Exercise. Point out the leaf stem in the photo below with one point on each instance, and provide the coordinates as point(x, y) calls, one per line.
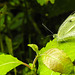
point(26, 65)
point(15, 71)
point(34, 61)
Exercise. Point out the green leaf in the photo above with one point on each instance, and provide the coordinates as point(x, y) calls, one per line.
point(18, 39)
point(2, 17)
point(68, 47)
point(57, 61)
point(34, 47)
point(3, 10)
point(7, 63)
point(42, 2)
point(27, 71)
point(44, 70)
point(16, 22)
point(1, 53)
point(9, 44)
point(52, 1)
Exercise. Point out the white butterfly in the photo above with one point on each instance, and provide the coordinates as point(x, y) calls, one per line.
point(67, 29)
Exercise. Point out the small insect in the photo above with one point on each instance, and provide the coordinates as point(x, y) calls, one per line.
point(67, 29)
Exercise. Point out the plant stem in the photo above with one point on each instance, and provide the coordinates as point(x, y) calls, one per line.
point(26, 65)
point(2, 49)
point(34, 61)
point(15, 71)
point(30, 50)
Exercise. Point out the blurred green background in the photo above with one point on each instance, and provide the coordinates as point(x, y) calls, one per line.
point(21, 24)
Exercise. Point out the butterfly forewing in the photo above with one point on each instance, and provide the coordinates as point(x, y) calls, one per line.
point(67, 29)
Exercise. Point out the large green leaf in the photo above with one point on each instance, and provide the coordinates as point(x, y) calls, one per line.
point(57, 61)
point(44, 70)
point(7, 63)
point(68, 47)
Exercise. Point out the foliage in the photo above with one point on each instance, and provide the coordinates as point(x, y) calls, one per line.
point(42, 2)
point(9, 44)
point(20, 24)
point(67, 47)
point(7, 63)
point(34, 47)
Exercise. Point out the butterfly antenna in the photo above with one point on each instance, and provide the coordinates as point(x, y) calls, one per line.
point(47, 29)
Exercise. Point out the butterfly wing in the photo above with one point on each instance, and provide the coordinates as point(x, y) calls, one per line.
point(67, 29)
